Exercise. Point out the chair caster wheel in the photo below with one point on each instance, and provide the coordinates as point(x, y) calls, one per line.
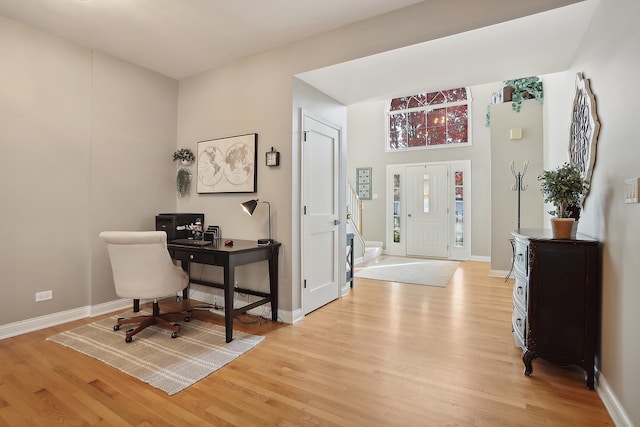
point(128, 339)
point(174, 335)
point(116, 327)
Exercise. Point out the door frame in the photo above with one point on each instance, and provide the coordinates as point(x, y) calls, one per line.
point(458, 252)
point(341, 188)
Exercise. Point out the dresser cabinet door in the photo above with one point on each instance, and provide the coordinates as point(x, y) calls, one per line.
point(563, 303)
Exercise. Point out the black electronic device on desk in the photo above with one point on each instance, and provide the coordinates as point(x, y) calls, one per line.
point(178, 225)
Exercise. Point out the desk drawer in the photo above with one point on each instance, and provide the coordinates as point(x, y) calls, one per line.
point(521, 261)
point(519, 326)
point(190, 256)
point(520, 288)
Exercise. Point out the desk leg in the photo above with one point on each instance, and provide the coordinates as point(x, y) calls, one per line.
point(229, 280)
point(273, 282)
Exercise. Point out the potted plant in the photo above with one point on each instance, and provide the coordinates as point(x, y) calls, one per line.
point(524, 88)
point(563, 187)
point(185, 156)
point(516, 91)
point(183, 182)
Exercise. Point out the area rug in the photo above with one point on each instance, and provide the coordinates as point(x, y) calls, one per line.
point(170, 364)
point(415, 271)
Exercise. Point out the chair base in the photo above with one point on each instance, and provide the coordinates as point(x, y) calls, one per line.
point(166, 320)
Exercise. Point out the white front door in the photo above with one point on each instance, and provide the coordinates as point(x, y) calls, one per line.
point(320, 199)
point(427, 211)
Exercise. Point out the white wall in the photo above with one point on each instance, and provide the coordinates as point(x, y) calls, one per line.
point(504, 200)
point(610, 58)
point(87, 142)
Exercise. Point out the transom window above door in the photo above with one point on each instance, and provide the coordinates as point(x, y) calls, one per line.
point(428, 120)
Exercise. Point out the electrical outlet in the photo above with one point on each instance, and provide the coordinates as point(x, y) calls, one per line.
point(44, 295)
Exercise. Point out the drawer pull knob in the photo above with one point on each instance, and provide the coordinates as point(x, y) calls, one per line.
point(191, 256)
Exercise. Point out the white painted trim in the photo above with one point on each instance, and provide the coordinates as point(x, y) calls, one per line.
point(294, 316)
point(201, 294)
point(480, 258)
point(110, 307)
point(54, 319)
point(498, 273)
point(42, 322)
point(613, 405)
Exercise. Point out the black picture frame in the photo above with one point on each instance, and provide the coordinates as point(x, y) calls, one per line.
point(227, 165)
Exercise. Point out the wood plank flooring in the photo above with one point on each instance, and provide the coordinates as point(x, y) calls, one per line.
point(388, 354)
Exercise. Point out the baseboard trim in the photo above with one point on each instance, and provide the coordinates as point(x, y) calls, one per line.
point(614, 407)
point(42, 322)
point(498, 273)
point(213, 296)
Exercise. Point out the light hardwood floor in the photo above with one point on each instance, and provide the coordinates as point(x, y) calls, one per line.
point(388, 354)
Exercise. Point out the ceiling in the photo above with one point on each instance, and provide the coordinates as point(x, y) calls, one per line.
point(180, 38)
point(538, 44)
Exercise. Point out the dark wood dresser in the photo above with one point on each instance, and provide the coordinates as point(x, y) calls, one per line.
point(556, 300)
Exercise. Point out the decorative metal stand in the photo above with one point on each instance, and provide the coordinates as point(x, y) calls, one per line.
point(519, 187)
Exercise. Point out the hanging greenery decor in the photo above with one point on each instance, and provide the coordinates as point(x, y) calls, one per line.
point(525, 88)
point(183, 182)
point(184, 155)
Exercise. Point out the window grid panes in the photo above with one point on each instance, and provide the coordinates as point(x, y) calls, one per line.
point(396, 208)
point(459, 209)
point(425, 183)
point(429, 119)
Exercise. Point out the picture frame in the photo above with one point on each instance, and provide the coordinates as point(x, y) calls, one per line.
point(363, 183)
point(227, 165)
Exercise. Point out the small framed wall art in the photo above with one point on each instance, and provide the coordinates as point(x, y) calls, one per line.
point(363, 183)
point(272, 158)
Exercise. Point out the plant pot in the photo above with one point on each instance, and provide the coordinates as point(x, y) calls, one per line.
point(562, 227)
point(507, 94)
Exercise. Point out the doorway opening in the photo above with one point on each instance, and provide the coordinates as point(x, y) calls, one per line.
point(429, 210)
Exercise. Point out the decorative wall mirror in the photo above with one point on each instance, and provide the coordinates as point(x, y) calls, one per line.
point(584, 129)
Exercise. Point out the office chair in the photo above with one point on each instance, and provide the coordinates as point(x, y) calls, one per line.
point(143, 269)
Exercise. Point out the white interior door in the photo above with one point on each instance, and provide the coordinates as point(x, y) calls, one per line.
point(427, 211)
point(320, 198)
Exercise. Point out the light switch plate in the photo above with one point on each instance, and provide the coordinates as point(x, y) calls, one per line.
point(631, 190)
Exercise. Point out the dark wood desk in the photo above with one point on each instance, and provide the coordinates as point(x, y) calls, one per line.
point(242, 252)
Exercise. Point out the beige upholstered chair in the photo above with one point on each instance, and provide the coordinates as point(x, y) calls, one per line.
point(143, 269)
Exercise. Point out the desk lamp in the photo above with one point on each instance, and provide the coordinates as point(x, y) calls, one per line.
point(249, 206)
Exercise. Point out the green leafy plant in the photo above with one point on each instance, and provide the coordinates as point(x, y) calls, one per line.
point(563, 187)
point(525, 88)
point(184, 154)
point(521, 89)
point(183, 182)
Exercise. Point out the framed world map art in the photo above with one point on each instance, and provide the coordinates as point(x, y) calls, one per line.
point(585, 128)
point(227, 165)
